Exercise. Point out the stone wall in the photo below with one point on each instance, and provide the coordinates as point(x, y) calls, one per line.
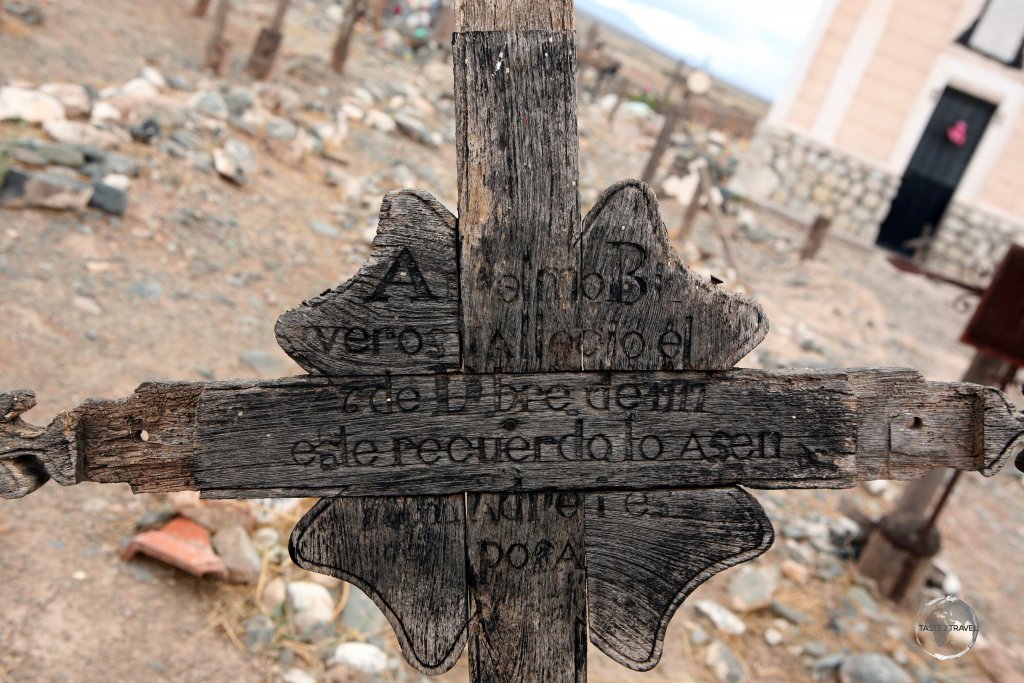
point(807, 179)
point(970, 243)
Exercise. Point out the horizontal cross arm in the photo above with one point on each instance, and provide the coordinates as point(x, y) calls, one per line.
point(449, 433)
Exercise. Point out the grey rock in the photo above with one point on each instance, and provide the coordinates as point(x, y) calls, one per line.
point(724, 664)
point(31, 106)
point(240, 556)
point(297, 676)
point(827, 663)
point(871, 668)
point(121, 164)
point(147, 289)
point(417, 130)
point(109, 199)
point(723, 619)
point(154, 519)
point(362, 657)
point(259, 633)
point(325, 229)
point(814, 648)
point(28, 12)
point(60, 154)
point(312, 608)
point(187, 139)
point(239, 99)
point(234, 161)
point(45, 190)
point(178, 82)
point(751, 588)
point(145, 131)
point(361, 614)
point(209, 103)
point(790, 614)
point(261, 361)
point(698, 636)
point(281, 129)
point(860, 598)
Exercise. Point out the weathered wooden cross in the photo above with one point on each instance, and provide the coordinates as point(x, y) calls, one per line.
point(524, 425)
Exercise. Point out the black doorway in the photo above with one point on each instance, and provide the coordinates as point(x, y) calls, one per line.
point(935, 170)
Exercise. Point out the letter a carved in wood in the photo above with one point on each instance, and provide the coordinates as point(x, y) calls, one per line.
point(526, 426)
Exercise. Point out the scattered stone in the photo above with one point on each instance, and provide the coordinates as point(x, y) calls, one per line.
point(109, 199)
point(134, 91)
point(773, 636)
point(31, 106)
point(73, 97)
point(297, 676)
point(86, 305)
point(790, 614)
point(794, 571)
point(325, 229)
point(826, 663)
point(259, 633)
point(212, 514)
point(266, 537)
point(29, 12)
point(699, 636)
point(154, 77)
point(418, 131)
point(871, 668)
point(273, 597)
point(362, 657)
point(877, 488)
point(312, 609)
point(115, 163)
point(238, 553)
point(145, 132)
point(261, 361)
point(57, 154)
point(45, 191)
point(103, 112)
point(234, 161)
point(209, 103)
point(361, 614)
point(723, 619)
point(752, 587)
point(860, 598)
point(177, 82)
point(187, 139)
point(147, 290)
point(344, 674)
point(814, 648)
point(154, 519)
point(239, 99)
point(379, 120)
point(78, 133)
point(724, 664)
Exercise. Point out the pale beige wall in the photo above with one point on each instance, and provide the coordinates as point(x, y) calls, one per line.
point(914, 37)
point(812, 91)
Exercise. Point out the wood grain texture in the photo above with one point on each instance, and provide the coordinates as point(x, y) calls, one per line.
point(29, 455)
point(642, 308)
point(515, 15)
point(409, 555)
point(519, 210)
point(527, 581)
point(585, 431)
point(167, 435)
point(400, 313)
point(647, 551)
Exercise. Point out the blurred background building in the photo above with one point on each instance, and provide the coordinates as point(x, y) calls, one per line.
point(901, 122)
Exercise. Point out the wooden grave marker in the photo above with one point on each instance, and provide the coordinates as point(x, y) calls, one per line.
point(525, 426)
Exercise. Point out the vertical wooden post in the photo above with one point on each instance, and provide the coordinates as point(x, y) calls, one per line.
point(264, 52)
point(217, 47)
point(675, 80)
point(339, 55)
point(673, 114)
point(815, 238)
point(892, 554)
point(200, 8)
point(520, 225)
point(692, 209)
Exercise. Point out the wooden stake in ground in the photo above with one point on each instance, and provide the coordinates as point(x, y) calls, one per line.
point(815, 238)
point(354, 10)
point(673, 114)
point(527, 427)
point(216, 54)
point(264, 52)
point(200, 8)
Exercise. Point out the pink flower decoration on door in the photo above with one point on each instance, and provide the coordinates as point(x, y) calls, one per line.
point(957, 133)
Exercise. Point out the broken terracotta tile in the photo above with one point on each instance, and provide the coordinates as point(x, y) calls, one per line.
point(183, 544)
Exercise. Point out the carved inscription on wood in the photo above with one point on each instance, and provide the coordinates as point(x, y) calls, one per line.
point(400, 313)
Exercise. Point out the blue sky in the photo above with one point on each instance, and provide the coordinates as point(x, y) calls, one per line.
point(750, 43)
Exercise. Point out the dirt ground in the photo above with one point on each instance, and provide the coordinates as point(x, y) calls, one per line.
point(196, 274)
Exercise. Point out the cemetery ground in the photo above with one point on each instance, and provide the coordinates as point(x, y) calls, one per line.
point(255, 197)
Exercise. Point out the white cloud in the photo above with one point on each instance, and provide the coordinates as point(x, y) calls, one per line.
point(749, 42)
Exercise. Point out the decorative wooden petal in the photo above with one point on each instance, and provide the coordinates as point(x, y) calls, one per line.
point(409, 555)
point(647, 551)
point(400, 313)
point(641, 308)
